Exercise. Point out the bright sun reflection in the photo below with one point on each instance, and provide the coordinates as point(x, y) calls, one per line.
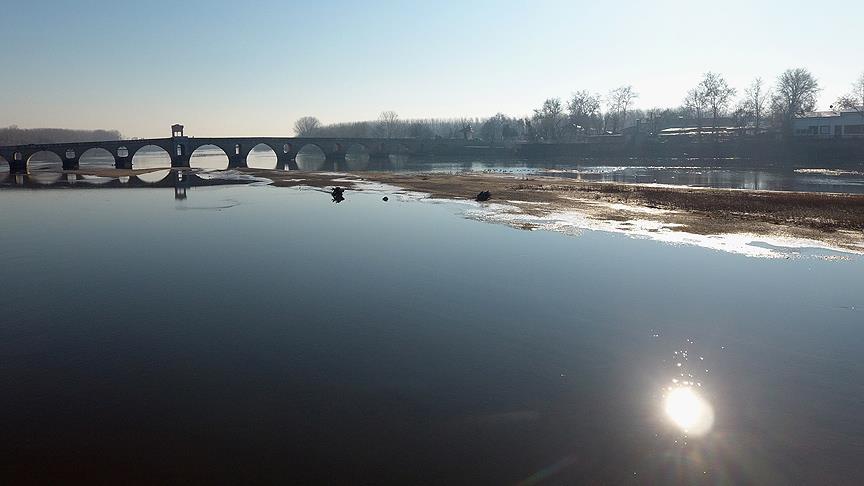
point(690, 412)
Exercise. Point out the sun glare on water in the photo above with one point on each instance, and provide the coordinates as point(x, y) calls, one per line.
point(690, 412)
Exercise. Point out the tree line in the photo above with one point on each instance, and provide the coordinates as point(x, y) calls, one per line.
point(708, 105)
point(12, 135)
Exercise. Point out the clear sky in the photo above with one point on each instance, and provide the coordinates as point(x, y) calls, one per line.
point(253, 67)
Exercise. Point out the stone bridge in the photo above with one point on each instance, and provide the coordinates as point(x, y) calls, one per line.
point(180, 149)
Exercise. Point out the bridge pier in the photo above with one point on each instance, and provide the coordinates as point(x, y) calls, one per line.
point(71, 163)
point(237, 161)
point(17, 166)
point(285, 161)
point(122, 162)
point(335, 156)
point(180, 161)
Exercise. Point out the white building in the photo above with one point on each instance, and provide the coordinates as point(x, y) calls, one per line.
point(841, 123)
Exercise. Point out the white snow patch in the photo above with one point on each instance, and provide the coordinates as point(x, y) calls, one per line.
point(829, 172)
point(575, 222)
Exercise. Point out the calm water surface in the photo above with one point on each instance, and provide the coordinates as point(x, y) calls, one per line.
point(258, 334)
point(720, 174)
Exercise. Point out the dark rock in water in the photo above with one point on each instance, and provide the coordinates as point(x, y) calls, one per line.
point(483, 196)
point(337, 194)
point(386, 199)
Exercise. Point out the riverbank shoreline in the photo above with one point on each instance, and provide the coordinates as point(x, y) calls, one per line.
point(832, 219)
point(710, 217)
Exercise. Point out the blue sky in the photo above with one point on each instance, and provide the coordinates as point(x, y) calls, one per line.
point(253, 67)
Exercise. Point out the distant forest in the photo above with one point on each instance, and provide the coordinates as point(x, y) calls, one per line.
point(711, 104)
point(12, 135)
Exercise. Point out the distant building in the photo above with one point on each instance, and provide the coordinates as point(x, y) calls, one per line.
point(824, 124)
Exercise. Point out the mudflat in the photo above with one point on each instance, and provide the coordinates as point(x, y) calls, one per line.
point(834, 219)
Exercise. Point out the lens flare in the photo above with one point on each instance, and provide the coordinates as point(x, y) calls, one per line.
point(690, 412)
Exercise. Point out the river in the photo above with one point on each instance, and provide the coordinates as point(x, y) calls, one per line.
point(261, 334)
point(734, 174)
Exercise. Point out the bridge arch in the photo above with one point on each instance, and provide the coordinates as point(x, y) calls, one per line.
point(397, 154)
point(262, 156)
point(96, 157)
point(396, 148)
point(311, 157)
point(42, 160)
point(208, 156)
point(5, 168)
point(151, 157)
point(357, 156)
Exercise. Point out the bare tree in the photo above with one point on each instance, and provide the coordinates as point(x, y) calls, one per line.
point(854, 100)
point(388, 121)
point(306, 126)
point(696, 104)
point(755, 101)
point(618, 101)
point(420, 129)
point(794, 95)
point(550, 118)
point(584, 110)
point(493, 128)
point(717, 94)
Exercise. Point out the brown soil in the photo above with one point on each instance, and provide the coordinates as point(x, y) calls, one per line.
point(835, 219)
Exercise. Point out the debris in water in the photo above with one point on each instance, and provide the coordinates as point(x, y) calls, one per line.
point(337, 194)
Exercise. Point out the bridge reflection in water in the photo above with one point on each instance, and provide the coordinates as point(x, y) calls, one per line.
point(179, 179)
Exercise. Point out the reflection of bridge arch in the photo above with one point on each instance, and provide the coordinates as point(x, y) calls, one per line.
point(44, 178)
point(150, 156)
point(154, 177)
